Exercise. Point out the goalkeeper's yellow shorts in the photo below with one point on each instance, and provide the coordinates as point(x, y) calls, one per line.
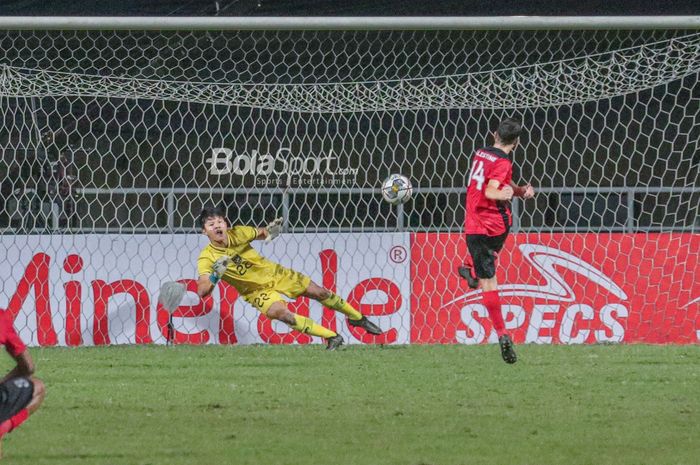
point(288, 282)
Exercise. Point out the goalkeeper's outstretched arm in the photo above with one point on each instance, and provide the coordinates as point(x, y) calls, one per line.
point(270, 231)
point(207, 282)
point(204, 286)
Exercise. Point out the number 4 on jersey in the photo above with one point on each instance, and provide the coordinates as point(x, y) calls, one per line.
point(477, 174)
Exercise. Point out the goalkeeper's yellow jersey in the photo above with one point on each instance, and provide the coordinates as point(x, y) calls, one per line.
point(249, 270)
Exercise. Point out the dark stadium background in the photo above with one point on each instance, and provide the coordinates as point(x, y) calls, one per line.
point(348, 8)
point(227, 60)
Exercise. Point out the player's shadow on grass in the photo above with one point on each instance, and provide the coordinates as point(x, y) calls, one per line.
point(264, 365)
point(83, 456)
point(136, 456)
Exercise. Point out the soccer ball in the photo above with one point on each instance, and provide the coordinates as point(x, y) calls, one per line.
point(397, 189)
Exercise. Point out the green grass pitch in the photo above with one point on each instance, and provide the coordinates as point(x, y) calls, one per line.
point(411, 405)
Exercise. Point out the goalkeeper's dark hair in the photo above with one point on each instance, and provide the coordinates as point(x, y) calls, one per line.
point(211, 212)
point(509, 130)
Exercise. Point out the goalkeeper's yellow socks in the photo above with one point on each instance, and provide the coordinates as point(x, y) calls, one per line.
point(309, 326)
point(337, 303)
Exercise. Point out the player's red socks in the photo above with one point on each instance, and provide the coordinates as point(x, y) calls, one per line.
point(8, 425)
point(493, 304)
point(5, 427)
point(18, 419)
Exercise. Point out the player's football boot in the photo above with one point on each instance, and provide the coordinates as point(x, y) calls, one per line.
point(507, 349)
point(367, 325)
point(334, 342)
point(467, 272)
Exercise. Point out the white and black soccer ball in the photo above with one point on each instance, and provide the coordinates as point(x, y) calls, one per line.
point(397, 189)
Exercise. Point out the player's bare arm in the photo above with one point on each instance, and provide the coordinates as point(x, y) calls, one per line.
point(204, 286)
point(525, 192)
point(23, 368)
point(494, 192)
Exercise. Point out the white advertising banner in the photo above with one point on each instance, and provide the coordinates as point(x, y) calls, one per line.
point(103, 289)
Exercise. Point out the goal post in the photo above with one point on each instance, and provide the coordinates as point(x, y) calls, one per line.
point(120, 129)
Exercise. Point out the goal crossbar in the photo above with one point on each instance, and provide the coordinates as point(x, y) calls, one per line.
point(350, 23)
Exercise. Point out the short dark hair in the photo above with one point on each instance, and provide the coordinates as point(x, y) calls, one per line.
point(211, 212)
point(509, 130)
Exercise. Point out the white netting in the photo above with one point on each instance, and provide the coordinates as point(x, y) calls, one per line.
point(565, 82)
point(110, 136)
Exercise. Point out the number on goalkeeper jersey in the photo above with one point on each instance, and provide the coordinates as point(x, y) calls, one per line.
point(477, 174)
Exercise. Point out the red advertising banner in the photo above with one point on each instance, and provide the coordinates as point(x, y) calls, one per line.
point(562, 288)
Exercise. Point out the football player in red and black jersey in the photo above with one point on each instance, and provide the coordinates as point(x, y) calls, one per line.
point(488, 220)
point(21, 393)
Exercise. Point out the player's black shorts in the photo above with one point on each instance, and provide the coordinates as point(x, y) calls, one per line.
point(15, 394)
point(482, 249)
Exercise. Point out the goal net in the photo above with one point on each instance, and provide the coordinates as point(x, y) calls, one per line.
point(113, 141)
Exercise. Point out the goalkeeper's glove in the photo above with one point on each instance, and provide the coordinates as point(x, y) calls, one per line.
point(219, 269)
point(274, 229)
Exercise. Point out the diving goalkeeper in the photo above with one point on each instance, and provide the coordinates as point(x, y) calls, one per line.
point(230, 257)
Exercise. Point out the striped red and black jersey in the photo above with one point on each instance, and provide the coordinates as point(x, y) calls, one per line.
point(486, 216)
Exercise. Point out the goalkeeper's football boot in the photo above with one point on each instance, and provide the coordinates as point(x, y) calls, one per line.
point(507, 349)
point(367, 325)
point(467, 272)
point(334, 342)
